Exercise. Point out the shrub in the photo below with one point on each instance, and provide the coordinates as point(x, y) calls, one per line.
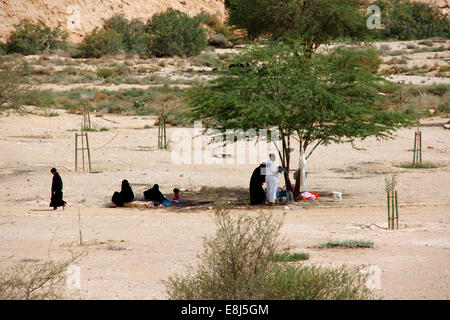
point(100, 42)
point(288, 257)
point(175, 33)
point(438, 89)
point(444, 108)
point(208, 59)
point(2, 48)
point(35, 280)
point(238, 263)
point(9, 87)
point(367, 57)
point(32, 38)
point(105, 72)
point(347, 244)
point(407, 20)
point(38, 98)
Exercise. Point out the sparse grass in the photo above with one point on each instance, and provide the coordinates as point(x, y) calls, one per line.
point(290, 257)
point(207, 59)
point(395, 53)
point(423, 165)
point(397, 61)
point(346, 244)
point(427, 43)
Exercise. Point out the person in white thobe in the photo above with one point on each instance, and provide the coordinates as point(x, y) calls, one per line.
point(272, 171)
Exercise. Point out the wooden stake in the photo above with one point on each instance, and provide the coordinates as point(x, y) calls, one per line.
point(79, 224)
point(389, 211)
point(396, 208)
point(76, 151)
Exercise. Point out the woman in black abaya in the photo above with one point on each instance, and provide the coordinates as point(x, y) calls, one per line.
point(257, 195)
point(57, 194)
point(125, 195)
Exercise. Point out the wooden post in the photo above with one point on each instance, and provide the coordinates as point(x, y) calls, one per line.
point(393, 206)
point(89, 152)
point(76, 151)
point(82, 148)
point(420, 147)
point(396, 208)
point(389, 211)
point(414, 150)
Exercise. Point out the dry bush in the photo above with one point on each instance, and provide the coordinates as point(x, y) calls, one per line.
point(9, 86)
point(239, 262)
point(35, 280)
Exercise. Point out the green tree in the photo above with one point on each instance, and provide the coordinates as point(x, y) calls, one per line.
point(100, 42)
point(319, 100)
point(32, 38)
point(175, 33)
point(133, 34)
point(312, 22)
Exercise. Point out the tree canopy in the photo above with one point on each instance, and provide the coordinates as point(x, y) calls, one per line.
point(318, 100)
point(314, 22)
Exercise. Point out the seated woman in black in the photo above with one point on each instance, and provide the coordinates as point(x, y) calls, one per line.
point(125, 194)
point(257, 195)
point(154, 194)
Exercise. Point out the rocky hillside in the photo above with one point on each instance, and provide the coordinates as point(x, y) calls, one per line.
point(81, 16)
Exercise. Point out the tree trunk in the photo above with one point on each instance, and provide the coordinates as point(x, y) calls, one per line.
point(297, 185)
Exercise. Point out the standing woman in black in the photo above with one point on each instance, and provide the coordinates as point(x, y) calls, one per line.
point(57, 195)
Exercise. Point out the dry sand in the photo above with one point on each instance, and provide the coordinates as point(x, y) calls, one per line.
point(413, 260)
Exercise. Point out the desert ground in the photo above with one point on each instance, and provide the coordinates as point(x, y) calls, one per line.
point(159, 242)
point(155, 243)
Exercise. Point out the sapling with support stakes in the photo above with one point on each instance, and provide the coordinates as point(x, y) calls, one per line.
point(392, 203)
point(417, 151)
point(86, 120)
point(162, 135)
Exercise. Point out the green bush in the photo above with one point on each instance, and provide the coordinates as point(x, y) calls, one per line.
point(2, 48)
point(289, 257)
point(444, 107)
point(174, 33)
point(238, 263)
point(105, 73)
point(208, 59)
point(407, 20)
point(9, 87)
point(32, 38)
point(38, 98)
point(134, 38)
point(99, 43)
point(366, 57)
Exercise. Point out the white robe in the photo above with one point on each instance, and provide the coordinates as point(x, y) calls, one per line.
point(271, 181)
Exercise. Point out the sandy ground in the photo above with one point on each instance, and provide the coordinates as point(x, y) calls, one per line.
point(159, 242)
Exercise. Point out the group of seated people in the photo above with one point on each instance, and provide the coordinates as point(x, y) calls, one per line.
point(153, 194)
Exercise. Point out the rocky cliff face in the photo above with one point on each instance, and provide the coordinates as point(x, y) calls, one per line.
point(81, 16)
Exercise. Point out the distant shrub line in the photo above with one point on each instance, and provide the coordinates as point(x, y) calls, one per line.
point(168, 33)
